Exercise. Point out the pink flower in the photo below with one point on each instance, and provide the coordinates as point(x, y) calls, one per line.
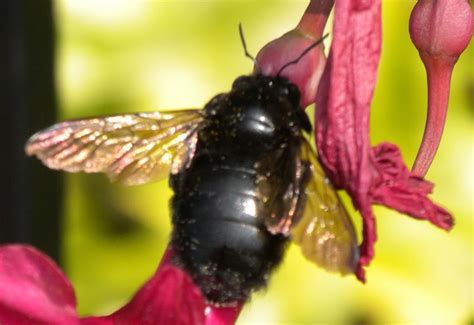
point(371, 175)
point(33, 290)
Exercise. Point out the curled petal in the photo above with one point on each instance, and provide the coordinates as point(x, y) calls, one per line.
point(405, 192)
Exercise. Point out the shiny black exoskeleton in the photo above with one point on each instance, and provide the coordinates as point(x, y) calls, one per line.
point(237, 180)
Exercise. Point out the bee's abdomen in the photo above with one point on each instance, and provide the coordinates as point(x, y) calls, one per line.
point(219, 235)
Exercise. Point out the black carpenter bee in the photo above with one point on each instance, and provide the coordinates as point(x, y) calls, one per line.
point(244, 176)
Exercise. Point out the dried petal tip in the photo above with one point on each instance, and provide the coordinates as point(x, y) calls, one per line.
point(307, 72)
point(440, 30)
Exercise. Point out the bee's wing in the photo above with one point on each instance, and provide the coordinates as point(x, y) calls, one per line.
point(284, 191)
point(131, 149)
point(325, 231)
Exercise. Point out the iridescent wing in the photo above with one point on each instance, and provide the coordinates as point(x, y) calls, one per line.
point(283, 191)
point(131, 149)
point(325, 231)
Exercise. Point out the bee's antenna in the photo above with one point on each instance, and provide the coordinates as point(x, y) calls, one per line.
point(244, 44)
point(309, 48)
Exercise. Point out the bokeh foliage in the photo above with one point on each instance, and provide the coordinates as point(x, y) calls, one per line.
point(119, 56)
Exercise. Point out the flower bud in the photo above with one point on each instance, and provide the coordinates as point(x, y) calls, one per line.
point(440, 30)
point(307, 72)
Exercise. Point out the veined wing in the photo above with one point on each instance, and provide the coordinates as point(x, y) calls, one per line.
point(131, 149)
point(325, 231)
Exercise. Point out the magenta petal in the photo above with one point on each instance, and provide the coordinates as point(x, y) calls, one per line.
point(369, 236)
point(33, 290)
point(405, 192)
point(343, 107)
point(169, 297)
point(345, 94)
point(222, 315)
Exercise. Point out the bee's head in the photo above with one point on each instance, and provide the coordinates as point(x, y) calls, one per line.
point(275, 99)
point(259, 112)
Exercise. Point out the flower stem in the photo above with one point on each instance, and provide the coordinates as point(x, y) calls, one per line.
point(439, 78)
point(314, 19)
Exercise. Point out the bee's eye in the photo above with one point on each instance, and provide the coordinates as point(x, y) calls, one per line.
point(293, 94)
point(241, 82)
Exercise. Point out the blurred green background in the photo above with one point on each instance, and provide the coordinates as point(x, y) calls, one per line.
point(117, 56)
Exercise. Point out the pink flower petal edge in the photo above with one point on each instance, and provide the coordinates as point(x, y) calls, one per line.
point(370, 175)
point(33, 290)
point(169, 297)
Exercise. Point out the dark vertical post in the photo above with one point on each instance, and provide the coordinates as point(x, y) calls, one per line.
point(30, 194)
